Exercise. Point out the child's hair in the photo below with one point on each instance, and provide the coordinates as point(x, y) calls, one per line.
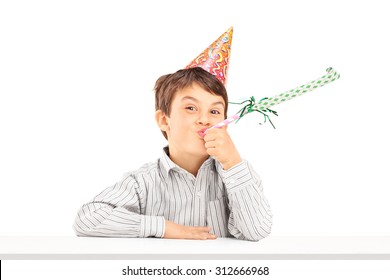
point(167, 86)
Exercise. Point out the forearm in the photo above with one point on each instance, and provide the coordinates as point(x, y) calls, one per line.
point(250, 215)
point(102, 219)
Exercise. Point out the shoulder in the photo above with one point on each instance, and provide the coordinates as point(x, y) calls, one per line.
point(146, 170)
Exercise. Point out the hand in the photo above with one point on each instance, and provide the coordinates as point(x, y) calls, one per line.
point(176, 231)
point(219, 145)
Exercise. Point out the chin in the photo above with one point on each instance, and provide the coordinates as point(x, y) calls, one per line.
point(203, 153)
point(199, 150)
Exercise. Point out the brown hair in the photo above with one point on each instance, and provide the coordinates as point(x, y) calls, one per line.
point(166, 87)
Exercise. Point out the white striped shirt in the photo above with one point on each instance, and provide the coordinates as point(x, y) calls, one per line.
point(231, 202)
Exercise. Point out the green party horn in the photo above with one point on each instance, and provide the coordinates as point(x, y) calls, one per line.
point(263, 105)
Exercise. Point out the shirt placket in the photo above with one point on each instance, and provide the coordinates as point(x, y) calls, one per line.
point(199, 200)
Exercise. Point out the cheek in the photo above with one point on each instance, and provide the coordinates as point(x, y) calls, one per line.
point(217, 119)
point(179, 125)
point(183, 119)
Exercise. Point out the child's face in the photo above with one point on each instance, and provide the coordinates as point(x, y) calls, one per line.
point(192, 110)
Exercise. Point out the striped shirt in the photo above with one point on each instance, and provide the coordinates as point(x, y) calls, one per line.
point(231, 202)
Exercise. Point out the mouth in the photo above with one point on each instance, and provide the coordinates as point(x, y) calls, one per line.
point(202, 133)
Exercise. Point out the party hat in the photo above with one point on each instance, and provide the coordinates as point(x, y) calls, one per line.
point(215, 59)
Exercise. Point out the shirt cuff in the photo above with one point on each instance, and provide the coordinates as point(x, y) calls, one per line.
point(152, 226)
point(236, 177)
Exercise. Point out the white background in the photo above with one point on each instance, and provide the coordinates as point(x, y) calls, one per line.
point(76, 104)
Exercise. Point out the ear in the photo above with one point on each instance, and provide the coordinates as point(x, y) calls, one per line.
point(162, 120)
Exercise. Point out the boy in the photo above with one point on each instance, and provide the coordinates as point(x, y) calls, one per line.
point(199, 189)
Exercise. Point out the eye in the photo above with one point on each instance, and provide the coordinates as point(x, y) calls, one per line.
point(191, 108)
point(215, 112)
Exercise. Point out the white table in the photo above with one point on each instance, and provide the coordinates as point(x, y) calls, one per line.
point(270, 248)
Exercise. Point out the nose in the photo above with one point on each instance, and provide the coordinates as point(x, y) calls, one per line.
point(203, 120)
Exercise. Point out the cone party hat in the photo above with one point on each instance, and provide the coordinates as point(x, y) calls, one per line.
point(215, 59)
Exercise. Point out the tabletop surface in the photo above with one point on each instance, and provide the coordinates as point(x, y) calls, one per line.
point(272, 247)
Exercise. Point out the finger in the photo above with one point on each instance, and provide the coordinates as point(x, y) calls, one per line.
point(212, 151)
point(210, 236)
point(210, 144)
point(202, 229)
point(197, 235)
point(212, 131)
point(206, 235)
point(202, 233)
point(216, 134)
point(209, 137)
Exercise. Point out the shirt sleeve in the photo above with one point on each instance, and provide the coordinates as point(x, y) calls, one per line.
point(117, 212)
point(250, 214)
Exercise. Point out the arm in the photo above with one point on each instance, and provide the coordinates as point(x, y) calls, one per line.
point(250, 215)
point(116, 212)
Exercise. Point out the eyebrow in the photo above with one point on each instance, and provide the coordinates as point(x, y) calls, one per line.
point(196, 100)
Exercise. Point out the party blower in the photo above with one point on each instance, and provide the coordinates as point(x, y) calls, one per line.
point(264, 104)
point(215, 60)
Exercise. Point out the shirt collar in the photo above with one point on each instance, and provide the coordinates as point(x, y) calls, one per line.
point(166, 164)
